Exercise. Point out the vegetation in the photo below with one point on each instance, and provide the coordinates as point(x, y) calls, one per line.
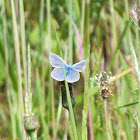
point(105, 33)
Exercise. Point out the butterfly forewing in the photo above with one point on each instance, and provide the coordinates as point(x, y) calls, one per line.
point(56, 61)
point(80, 66)
point(58, 74)
point(73, 76)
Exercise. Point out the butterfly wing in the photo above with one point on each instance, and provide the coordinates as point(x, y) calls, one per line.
point(58, 74)
point(56, 61)
point(73, 76)
point(80, 66)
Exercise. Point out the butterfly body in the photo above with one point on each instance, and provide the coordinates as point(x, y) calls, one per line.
point(72, 72)
point(68, 70)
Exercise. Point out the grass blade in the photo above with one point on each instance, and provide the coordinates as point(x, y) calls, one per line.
point(16, 42)
point(86, 100)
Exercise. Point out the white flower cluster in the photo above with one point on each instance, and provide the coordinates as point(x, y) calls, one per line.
point(96, 81)
point(28, 103)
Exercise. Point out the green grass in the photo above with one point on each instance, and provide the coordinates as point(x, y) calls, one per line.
point(109, 37)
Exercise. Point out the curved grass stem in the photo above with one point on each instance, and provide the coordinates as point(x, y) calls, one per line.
point(106, 119)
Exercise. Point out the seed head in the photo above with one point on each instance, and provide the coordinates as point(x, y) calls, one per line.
point(103, 81)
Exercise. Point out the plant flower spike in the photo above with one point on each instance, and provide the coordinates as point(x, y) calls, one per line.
point(103, 81)
point(72, 75)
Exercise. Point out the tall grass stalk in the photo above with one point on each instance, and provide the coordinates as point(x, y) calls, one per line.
point(28, 95)
point(136, 24)
point(53, 107)
point(51, 80)
point(7, 75)
point(71, 109)
point(86, 101)
point(70, 47)
point(48, 17)
point(137, 39)
point(138, 63)
point(133, 50)
point(42, 50)
point(28, 100)
point(70, 33)
point(40, 100)
point(77, 9)
point(42, 111)
point(113, 25)
point(88, 53)
point(16, 42)
point(87, 28)
point(138, 128)
point(124, 33)
point(82, 18)
point(69, 127)
point(106, 119)
point(58, 117)
point(23, 40)
point(135, 58)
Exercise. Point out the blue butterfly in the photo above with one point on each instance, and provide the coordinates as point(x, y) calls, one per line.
point(72, 72)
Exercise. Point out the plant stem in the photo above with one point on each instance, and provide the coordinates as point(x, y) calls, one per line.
point(23, 41)
point(16, 42)
point(113, 26)
point(68, 123)
point(29, 119)
point(88, 44)
point(7, 74)
point(58, 116)
point(106, 119)
point(42, 51)
point(82, 18)
point(86, 102)
point(51, 80)
point(137, 128)
point(28, 95)
point(90, 123)
point(70, 33)
point(34, 135)
point(68, 98)
point(42, 111)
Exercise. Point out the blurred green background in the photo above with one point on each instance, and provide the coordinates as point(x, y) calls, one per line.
point(109, 29)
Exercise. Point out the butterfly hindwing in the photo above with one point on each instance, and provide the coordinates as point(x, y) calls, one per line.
point(73, 76)
point(56, 61)
point(58, 74)
point(80, 66)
